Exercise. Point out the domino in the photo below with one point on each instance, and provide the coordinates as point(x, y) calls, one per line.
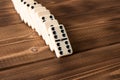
point(38, 23)
point(42, 21)
point(34, 12)
point(46, 26)
point(26, 4)
point(60, 41)
point(29, 19)
point(22, 10)
point(16, 4)
point(41, 17)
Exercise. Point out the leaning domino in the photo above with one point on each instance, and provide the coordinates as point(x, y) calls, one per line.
point(43, 27)
point(38, 26)
point(46, 26)
point(33, 14)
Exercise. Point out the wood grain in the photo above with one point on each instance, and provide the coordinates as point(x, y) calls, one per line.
point(93, 27)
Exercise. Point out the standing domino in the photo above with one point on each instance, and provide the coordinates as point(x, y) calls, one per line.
point(60, 40)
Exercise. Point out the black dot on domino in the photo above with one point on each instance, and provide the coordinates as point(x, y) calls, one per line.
point(61, 27)
point(51, 17)
point(62, 31)
point(69, 51)
point(43, 17)
point(24, 2)
point(53, 28)
point(63, 35)
point(68, 46)
point(58, 44)
point(32, 7)
point(66, 42)
point(59, 48)
point(35, 3)
point(61, 52)
point(55, 36)
point(21, 0)
point(28, 5)
point(54, 32)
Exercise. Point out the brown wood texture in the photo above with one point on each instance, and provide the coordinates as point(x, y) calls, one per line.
point(93, 27)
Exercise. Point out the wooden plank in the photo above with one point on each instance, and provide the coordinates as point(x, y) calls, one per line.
point(94, 31)
point(4, 4)
point(9, 20)
point(76, 66)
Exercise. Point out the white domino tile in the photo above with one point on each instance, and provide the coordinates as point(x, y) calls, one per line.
point(60, 41)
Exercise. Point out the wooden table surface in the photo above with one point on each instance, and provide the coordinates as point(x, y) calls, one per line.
point(93, 27)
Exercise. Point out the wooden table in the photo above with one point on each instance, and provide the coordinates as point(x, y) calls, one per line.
point(93, 27)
